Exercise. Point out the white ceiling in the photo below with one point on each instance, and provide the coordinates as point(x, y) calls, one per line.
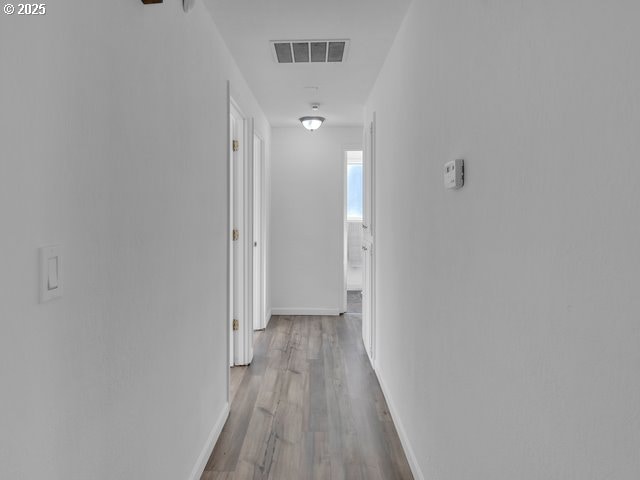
point(249, 25)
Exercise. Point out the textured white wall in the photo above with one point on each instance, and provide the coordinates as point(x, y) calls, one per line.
point(113, 127)
point(307, 204)
point(519, 348)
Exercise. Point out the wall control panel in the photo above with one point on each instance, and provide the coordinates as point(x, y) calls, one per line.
point(50, 278)
point(454, 174)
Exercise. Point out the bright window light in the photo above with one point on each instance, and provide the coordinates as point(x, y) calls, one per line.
point(354, 185)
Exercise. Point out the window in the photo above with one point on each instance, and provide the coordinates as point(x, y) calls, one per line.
point(354, 185)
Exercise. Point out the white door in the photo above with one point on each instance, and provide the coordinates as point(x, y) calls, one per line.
point(241, 324)
point(236, 125)
point(368, 246)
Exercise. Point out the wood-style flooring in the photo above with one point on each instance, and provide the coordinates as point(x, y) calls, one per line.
point(309, 407)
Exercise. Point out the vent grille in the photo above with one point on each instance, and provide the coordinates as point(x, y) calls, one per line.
point(300, 52)
point(283, 53)
point(336, 52)
point(318, 51)
point(310, 51)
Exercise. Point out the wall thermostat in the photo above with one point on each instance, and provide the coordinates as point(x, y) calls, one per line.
point(454, 174)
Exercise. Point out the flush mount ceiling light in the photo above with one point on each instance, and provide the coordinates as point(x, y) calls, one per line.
point(311, 123)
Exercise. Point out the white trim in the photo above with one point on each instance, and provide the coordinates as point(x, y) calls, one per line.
point(372, 226)
point(404, 439)
point(203, 458)
point(345, 233)
point(259, 269)
point(306, 311)
point(369, 336)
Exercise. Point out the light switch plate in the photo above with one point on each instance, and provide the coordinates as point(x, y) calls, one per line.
point(50, 273)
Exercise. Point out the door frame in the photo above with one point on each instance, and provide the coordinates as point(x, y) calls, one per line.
point(240, 342)
point(369, 160)
point(259, 277)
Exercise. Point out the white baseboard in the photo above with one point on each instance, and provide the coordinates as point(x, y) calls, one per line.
point(269, 315)
point(306, 311)
point(208, 447)
point(404, 440)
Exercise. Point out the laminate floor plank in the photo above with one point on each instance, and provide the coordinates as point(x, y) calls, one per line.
point(235, 379)
point(309, 407)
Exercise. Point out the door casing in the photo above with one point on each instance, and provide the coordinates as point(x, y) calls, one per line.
point(258, 248)
point(368, 240)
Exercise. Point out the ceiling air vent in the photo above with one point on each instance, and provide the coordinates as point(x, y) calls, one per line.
point(310, 51)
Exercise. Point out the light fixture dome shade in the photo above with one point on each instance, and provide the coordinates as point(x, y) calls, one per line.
point(311, 123)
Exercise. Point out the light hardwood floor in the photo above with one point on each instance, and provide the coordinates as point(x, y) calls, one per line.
point(309, 407)
point(235, 380)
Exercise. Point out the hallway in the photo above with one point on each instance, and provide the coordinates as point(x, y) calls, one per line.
point(176, 173)
point(309, 407)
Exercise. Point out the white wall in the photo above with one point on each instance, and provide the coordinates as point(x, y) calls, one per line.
point(307, 205)
point(518, 351)
point(113, 144)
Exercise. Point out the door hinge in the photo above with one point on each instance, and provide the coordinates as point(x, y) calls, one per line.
point(236, 325)
point(236, 145)
point(236, 234)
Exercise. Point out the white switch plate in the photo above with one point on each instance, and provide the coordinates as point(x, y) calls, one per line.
point(50, 273)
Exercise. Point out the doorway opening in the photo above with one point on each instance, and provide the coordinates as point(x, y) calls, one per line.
point(247, 240)
point(354, 217)
point(359, 217)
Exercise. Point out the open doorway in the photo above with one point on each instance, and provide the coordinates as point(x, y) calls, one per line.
point(246, 253)
point(353, 231)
